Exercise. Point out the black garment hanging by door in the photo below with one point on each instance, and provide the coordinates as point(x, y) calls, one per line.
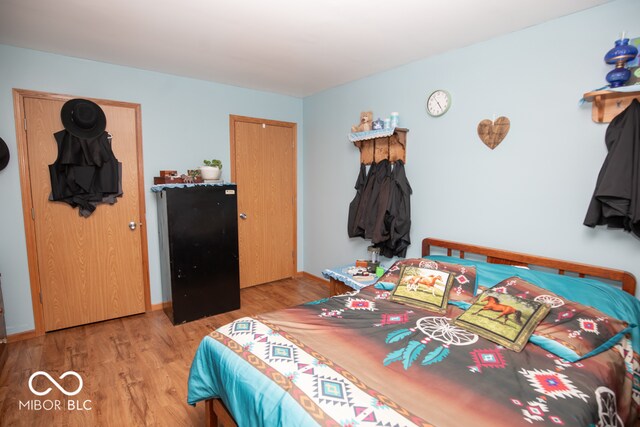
point(86, 172)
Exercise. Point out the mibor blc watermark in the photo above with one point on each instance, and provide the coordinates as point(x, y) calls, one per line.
point(55, 404)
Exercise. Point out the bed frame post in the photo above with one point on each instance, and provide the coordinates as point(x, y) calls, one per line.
point(426, 248)
point(210, 417)
point(216, 414)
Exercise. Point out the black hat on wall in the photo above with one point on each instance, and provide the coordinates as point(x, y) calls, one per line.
point(4, 154)
point(83, 118)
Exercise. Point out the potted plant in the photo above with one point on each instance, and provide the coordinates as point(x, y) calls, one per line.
point(211, 169)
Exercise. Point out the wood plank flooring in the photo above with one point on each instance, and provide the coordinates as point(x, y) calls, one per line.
point(134, 369)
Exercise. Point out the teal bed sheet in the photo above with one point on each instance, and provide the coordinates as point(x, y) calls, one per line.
point(218, 372)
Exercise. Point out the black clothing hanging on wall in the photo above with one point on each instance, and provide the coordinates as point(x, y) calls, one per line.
point(380, 210)
point(379, 195)
point(359, 219)
point(616, 199)
point(393, 224)
point(352, 229)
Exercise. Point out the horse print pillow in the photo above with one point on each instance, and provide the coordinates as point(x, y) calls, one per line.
point(423, 287)
point(502, 318)
point(571, 330)
point(464, 283)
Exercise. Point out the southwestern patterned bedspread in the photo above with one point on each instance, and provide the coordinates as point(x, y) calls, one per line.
point(360, 359)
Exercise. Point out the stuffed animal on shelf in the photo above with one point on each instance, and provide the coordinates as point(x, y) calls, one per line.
point(366, 119)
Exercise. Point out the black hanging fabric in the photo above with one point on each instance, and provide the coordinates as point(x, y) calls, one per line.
point(381, 209)
point(352, 228)
point(379, 195)
point(380, 228)
point(361, 211)
point(86, 172)
point(392, 230)
point(616, 199)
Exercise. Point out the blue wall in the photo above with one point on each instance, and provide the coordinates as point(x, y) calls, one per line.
point(530, 194)
point(183, 122)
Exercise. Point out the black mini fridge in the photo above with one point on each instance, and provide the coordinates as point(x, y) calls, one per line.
point(198, 228)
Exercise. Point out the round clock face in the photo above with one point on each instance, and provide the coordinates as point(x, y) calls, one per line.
point(438, 103)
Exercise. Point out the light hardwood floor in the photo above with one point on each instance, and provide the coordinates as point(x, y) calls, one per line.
point(135, 369)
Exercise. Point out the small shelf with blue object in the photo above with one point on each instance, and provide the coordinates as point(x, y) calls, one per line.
point(624, 81)
point(376, 145)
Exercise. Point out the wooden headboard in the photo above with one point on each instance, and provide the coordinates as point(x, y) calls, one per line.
point(499, 256)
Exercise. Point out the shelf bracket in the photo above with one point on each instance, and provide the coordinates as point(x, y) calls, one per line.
point(608, 104)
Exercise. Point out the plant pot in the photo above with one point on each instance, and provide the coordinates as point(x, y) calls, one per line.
point(210, 172)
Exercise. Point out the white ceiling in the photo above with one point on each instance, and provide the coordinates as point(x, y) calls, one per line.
point(293, 47)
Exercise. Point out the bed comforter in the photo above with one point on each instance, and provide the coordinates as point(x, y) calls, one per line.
point(360, 359)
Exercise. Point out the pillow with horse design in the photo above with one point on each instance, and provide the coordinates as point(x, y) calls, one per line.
point(464, 283)
point(571, 330)
point(502, 318)
point(423, 287)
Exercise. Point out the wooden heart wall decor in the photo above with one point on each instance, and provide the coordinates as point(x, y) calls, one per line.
point(492, 132)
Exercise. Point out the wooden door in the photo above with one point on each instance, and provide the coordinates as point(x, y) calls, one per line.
point(264, 167)
point(88, 269)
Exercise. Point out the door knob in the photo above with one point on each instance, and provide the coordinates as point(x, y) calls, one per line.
point(243, 216)
point(132, 225)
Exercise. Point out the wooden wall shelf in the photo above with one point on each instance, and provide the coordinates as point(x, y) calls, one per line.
point(392, 147)
point(607, 104)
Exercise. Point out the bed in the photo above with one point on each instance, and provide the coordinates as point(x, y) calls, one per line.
point(363, 359)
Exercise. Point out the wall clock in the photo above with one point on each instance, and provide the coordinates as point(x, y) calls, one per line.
point(438, 103)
